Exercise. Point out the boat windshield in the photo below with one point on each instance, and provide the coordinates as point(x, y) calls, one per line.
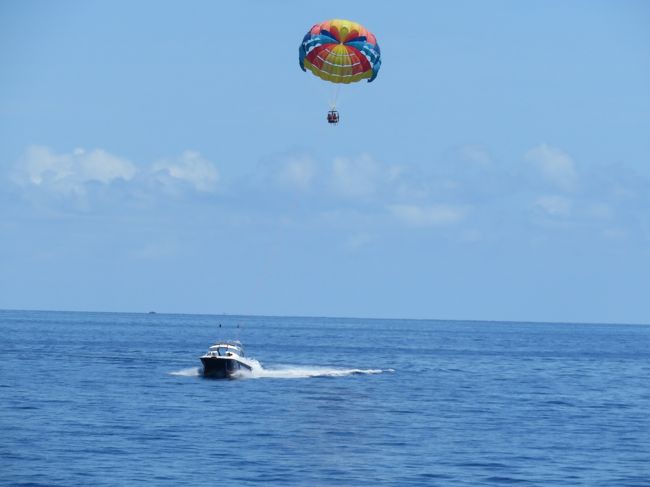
point(224, 350)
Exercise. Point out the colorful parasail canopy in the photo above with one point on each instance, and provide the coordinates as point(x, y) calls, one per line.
point(340, 51)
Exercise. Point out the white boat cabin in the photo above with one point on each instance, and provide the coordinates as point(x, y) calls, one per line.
point(225, 349)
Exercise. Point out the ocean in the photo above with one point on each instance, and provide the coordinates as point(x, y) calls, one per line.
point(117, 399)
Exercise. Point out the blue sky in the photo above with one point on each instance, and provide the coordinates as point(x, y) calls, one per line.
point(172, 156)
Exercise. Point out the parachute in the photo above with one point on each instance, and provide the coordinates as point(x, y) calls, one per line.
point(340, 51)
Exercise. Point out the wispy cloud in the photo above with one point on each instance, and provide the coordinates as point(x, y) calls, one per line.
point(286, 172)
point(297, 173)
point(466, 190)
point(362, 176)
point(69, 174)
point(358, 241)
point(476, 155)
point(188, 169)
point(432, 215)
point(79, 172)
point(554, 205)
point(554, 165)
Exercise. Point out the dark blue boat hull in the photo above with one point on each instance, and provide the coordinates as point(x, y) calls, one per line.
point(222, 368)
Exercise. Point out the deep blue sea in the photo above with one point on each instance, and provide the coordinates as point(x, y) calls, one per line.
point(116, 399)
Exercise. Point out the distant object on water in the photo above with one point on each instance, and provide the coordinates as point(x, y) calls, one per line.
point(152, 312)
point(225, 360)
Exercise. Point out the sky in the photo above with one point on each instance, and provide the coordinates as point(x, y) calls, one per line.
point(172, 156)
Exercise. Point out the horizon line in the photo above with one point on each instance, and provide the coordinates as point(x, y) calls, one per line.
point(153, 312)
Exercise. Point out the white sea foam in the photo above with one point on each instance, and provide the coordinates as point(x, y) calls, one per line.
point(304, 372)
point(191, 372)
point(289, 372)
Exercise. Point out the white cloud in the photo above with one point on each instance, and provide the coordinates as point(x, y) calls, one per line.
point(358, 241)
point(432, 215)
point(555, 205)
point(155, 250)
point(190, 168)
point(555, 166)
point(296, 173)
point(358, 190)
point(615, 233)
point(285, 172)
point(475, 154)
point(69, 173)
point(361, 176)
point(72, 174)
point(601, 211)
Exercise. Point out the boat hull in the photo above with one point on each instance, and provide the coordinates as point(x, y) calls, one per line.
point(222, 368)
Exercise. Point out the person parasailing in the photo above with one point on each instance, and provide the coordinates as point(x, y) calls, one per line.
point(340, 51)
point(333, 116)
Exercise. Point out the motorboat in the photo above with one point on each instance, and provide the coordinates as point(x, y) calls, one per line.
point(225, 360)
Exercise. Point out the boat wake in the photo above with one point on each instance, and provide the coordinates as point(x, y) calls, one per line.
point(191, 372)
point(305, 372)
point(288, 372)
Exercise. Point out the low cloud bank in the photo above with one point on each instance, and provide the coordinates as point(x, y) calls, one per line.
point(467, 189)
point(78, 173)
point(422, 216)
point(70, 173)
point(190, 168)
point(554, 165)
